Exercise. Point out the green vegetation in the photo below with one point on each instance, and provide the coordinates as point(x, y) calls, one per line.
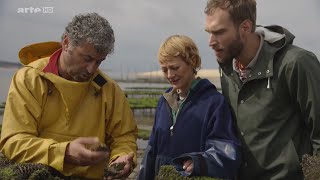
point(10, 173)
point(7, 173)
point(2, 105)
point(10, 170)
point(31, 171)
point(170, 173)
point(144, 93)
point(143, 102)
point(144, 134)
point(147, 87)
point(143, 97)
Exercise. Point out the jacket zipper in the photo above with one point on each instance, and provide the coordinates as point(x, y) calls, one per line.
point(175, 115)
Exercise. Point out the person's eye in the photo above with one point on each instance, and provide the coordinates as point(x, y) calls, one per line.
point(164, 70)
point(175, 68)
point(87, 59)
point(220, 32)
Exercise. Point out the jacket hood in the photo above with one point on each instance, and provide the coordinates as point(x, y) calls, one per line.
point(37, 51)
point(203, 86)
point(277, 36)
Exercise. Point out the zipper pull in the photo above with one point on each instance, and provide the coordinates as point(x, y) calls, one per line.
point(171, 130)
point(268, 85)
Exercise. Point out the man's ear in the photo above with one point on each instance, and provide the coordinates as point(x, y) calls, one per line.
point(65, 43)
point(246, 26)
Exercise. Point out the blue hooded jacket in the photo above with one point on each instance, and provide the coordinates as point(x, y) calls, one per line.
point(204, 131)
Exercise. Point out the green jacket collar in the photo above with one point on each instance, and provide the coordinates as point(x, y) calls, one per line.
point(264, 65)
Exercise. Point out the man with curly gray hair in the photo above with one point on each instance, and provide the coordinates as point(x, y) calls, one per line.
point(62, 111)
point(93, 32)
point(91, 28)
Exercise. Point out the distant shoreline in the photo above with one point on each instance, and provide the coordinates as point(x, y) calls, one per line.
point(12, 65)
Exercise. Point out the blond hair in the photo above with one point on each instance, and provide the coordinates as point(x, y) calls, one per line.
point(180, 46)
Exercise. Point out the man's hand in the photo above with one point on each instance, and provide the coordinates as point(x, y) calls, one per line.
point(77, 152)
point(188, 166)
point(127, 161)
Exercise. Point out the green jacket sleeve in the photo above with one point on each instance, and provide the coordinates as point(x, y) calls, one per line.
point(303, 78)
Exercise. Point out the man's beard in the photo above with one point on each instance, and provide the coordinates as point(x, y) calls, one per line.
point(232, 51)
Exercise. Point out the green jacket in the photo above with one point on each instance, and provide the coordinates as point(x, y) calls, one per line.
point(277, 109)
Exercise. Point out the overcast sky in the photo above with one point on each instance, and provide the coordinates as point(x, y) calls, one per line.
point(141, 25)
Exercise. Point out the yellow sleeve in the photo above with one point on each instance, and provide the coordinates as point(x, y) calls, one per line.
point(121, 126)
point(20, 139)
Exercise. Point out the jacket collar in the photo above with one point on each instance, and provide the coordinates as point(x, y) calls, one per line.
point(264, 65)
point(172, 96)
point(262, 69)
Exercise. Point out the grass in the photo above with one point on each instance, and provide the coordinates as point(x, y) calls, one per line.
point(143, 97)
point(150, 88)
point(144, 134)
point(143, 102)
point(144, 93)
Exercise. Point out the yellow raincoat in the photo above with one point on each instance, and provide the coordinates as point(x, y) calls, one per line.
point(44, 112)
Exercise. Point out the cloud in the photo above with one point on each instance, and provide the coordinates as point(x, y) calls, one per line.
point(141, 25)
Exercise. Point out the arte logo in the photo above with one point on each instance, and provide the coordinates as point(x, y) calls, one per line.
point(44, 10)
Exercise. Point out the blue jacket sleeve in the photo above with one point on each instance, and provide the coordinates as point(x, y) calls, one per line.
point(221, 158)
point(147, 165)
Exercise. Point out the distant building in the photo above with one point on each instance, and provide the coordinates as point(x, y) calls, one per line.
point(157, 76)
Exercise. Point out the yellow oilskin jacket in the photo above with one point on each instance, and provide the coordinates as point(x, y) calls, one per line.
point(44, 112)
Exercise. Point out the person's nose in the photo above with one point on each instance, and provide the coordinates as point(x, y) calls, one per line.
point(170, 74)
point(212, 40)
point(92, 67)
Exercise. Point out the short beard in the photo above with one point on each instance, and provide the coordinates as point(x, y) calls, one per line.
point(234, 50)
